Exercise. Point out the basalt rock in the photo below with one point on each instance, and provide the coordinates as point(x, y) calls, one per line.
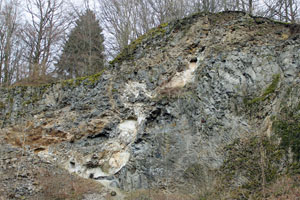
point(166, 111)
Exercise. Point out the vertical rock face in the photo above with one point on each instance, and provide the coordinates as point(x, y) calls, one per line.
point(165, 113)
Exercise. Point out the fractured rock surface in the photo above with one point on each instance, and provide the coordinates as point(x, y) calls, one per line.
point(148, 120)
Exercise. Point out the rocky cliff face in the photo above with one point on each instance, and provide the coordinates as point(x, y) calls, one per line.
point(174, 112)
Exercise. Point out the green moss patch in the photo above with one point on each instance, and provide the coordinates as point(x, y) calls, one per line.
point(272, 87)
point(86, 80)
point(269, 90)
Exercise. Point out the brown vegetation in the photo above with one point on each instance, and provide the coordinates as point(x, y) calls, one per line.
point(170, 92)
point(35, 137)
point(64, 185)
point(284, 188)
point(156, 195)
point(35, 81)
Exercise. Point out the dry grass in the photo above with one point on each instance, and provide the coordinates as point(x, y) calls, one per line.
point(59, 184)
point(156, 195)
point(285, 188)
point(170, 92)
point(35, 81)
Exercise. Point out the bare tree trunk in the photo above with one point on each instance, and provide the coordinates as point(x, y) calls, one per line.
point(293, 12)
point(9, 54)
point(250, 7)
point(44, 31)
point(286, 10)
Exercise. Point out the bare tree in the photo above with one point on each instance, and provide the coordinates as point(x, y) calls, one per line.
point(166, 10)
point(118, 18)
point(209, 5)
point(10, 50)
point(293, 10)
point(43, 34)
point(283, 10)
point(125, 20)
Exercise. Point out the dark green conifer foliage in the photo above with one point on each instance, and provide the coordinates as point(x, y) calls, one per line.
point(83, 52)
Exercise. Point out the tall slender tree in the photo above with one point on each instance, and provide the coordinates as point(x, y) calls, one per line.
point(10, 47)
point(83, 52)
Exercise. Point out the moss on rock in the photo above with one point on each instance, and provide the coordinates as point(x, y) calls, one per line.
point(269, 90)
point(194, 171)
point(287, 127)
point(2, 105)
point(249, 164)
point(86, 80)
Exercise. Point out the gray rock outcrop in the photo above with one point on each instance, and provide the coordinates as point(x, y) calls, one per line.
point(161, 116)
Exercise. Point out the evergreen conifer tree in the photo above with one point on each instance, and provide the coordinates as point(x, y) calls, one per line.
point(83, 52)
